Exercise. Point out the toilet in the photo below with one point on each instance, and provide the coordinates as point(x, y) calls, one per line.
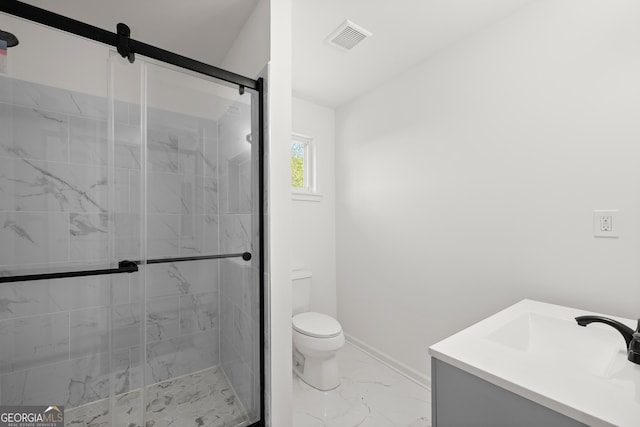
point(317, 338)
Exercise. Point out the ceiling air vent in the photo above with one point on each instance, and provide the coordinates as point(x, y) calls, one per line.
point(347, 35)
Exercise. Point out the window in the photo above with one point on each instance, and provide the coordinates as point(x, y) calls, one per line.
point(303, 174)
point(299, 168)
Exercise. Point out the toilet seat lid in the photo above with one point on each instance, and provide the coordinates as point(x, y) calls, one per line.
point(316, 325)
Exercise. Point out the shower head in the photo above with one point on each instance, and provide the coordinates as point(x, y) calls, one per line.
point(9, 38)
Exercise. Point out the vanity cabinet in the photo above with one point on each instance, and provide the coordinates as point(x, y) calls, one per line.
point(460, 399)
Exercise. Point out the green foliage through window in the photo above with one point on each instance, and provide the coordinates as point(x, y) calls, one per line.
point(297, 165)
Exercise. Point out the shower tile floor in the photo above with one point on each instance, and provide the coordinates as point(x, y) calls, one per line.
point(370, 395)
point(202, 399)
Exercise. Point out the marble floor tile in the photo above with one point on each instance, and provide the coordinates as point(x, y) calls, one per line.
point(370, 395)
point(202, 399)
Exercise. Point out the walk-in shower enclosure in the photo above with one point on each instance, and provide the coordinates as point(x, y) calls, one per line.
point(130, 230)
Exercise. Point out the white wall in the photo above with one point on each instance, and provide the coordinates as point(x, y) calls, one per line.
point(54, 58)
point(279, 204)
point(468, 183)
point(250, 51)
point(314, 224)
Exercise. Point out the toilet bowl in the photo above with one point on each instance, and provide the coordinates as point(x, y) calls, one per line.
point(317, 339)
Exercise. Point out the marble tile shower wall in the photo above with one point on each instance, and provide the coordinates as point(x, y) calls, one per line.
point(182, 331)
point(72, 341)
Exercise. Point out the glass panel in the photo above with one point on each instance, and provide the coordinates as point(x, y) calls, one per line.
point(239, 232)
point(58, 212)
point(200, 315)
point(127, 188)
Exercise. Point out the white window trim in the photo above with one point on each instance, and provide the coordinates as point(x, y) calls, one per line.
point(312, 194)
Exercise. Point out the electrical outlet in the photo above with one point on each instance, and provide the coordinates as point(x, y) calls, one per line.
point(606, 223)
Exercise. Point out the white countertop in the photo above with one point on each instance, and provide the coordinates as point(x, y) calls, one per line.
point(537, 350)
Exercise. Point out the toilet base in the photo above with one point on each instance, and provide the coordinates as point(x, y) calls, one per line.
point(321, 374)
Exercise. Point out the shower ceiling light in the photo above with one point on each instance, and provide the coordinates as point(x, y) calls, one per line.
point(347, 36)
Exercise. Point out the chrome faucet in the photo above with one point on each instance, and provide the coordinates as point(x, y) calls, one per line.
point(631, 337)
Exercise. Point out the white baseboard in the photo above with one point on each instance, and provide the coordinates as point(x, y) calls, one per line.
point(393, 363)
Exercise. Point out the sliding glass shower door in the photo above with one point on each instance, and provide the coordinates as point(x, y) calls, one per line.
point(201, 358)
point(129, 237)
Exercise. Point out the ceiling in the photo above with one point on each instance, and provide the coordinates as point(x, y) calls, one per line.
point(199, 29)
point(405, 32)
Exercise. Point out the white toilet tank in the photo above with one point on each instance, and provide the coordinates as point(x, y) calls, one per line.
point(301, 291)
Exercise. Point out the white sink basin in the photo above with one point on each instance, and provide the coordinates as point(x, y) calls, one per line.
point(538, 351)
point(594, 348)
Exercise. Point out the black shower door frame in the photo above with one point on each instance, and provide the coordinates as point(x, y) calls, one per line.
point(125, 44)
